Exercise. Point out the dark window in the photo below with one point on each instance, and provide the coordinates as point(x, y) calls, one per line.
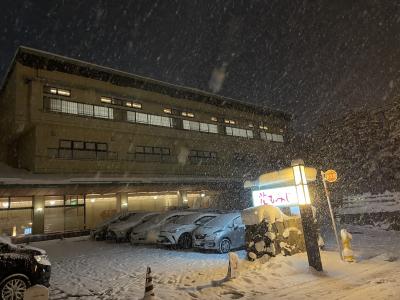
point(78, 145)
point(90, 146)
point(65, 144)
point(101, 147)
point(139, 149)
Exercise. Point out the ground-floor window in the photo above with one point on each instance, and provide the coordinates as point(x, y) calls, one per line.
point(99, 208)
point(14, 221)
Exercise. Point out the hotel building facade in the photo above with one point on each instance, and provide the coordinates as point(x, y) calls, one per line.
point(81, 142)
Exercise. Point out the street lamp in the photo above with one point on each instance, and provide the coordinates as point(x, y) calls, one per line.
point(300, 181)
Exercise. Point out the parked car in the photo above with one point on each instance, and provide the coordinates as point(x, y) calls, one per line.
point(120, 231)
point(148, 232)
point(179, 231)
point(21, 267)
point(223, 233)
point(100, 232)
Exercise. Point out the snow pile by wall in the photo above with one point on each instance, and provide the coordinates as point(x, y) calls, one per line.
point(255, 215)
point(270, 232)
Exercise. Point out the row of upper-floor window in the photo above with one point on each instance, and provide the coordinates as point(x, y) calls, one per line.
point(134, 104)
point(101, 111)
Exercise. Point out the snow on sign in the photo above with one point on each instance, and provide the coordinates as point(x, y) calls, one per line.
point(284, 196)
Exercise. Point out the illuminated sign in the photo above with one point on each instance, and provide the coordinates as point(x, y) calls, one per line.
point(284, 196)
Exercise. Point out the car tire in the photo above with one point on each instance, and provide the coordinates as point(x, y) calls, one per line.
point(224, 246)
point(185, 241)
point(14, 287)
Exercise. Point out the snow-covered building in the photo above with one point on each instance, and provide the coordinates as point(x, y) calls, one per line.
point(80, 142)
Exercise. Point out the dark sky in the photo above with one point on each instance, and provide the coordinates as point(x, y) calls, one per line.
point(315, 59)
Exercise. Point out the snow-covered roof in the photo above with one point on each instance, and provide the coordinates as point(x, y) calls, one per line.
point(49, 61)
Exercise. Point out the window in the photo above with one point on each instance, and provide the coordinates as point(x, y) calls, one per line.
point(199, 156)
point(187, 114)
point(266, 136)
point(101, 147)
point(79, 145)
point(214, 119)
point(136, 117)
point(239, 132)
point(90, 146)
point(151, 154)
point(74, 108)
point(57, 91)
point(120, 102)
point(167, 110)
point(133, 104)
point(277, 138)
point(262, 126)
point(197, 126)
point(103, 112)
point(65, 144)
point(227, 121)
point(106, 100)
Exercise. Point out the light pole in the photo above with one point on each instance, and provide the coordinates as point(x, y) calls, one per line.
point(307, 218)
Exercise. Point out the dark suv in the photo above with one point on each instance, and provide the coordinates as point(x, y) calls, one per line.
point(21, 267)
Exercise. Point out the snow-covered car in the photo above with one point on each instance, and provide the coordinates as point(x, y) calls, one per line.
point(179, 231)
point(223, 233)
point(147, 233)
point(100, 232)
point(121, 230)
point(21, 267)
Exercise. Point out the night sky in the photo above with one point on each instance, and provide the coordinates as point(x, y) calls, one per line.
point(315, 59)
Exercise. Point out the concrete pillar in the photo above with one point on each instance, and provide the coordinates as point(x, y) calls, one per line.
point(38, 215)
point(182, 198)
point(122, 202)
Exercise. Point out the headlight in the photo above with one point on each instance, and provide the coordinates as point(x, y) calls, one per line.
point(42, 259)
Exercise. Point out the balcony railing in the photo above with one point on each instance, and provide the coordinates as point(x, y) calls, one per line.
point(81, 154)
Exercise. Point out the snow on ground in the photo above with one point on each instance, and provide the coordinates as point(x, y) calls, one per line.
point(100, 270)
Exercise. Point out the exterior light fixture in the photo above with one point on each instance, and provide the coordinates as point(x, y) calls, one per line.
point(52, 202)
point(39, 209)
point(155, 197)
point(202, 195)
point(93, 200)
point(5, 204)
point(300, 182)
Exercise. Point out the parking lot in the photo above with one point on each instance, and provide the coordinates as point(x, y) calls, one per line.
point(85, 269)
point(106, 270)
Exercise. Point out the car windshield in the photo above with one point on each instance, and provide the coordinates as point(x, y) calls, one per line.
point(186, 219)
point(221, 220)
point(127, 217)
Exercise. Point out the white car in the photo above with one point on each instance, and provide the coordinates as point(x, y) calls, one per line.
point(100, 232)
point(148, 232)
point(120, 231)
point(179, 231)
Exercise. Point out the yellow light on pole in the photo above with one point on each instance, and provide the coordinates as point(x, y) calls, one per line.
point(300, 182)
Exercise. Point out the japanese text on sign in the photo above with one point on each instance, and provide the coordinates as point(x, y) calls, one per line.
point(285, 196)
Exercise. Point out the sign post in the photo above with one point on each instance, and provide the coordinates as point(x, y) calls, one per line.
point(331, 176)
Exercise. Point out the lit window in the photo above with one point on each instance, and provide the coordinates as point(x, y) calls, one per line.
point(167, 110)
point(227, 121)
point(64, 92)
point(57, 91)
point(239, 132)
point(251, 125)
point(263, 127)
point(214, 119)
point(105, 100)
point(187, 114)
point(136, 105)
